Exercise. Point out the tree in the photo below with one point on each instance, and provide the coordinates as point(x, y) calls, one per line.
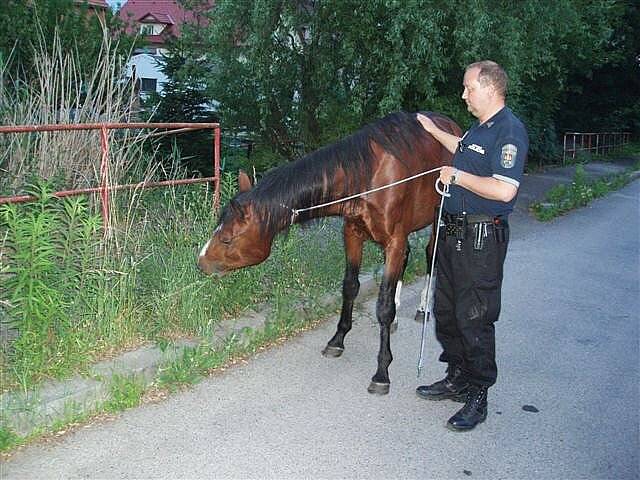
point(184, 99)
point(26, 27)
point(312, 71)
point(608, 98)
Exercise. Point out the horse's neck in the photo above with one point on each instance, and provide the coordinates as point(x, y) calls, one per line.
point(324, 192)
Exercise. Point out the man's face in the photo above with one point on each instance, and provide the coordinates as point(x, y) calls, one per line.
point(477, 96)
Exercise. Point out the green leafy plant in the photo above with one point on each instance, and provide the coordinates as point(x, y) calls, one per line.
point(8, 438)
point(563, 198)
point(125, 392)
point(47, 246)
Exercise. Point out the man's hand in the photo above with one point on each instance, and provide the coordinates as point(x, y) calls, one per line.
point(426, 123)
point(450, 142)
point(446, 173)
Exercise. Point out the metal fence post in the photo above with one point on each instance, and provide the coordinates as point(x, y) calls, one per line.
point(104, 179)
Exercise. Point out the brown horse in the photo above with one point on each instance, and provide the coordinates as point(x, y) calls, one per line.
point(383, 152)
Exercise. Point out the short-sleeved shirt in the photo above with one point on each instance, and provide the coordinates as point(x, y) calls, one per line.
point(496, 148)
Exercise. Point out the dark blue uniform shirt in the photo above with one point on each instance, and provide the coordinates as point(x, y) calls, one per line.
point(497, 148)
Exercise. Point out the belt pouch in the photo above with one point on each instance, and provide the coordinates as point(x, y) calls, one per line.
point(461, 227)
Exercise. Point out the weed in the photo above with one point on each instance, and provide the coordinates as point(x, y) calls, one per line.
point(563, 198)
point(193, 364)
point(125, 392)
point(8, 439)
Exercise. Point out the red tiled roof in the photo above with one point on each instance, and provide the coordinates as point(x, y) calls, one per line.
point(168, 12)
point(162, 18)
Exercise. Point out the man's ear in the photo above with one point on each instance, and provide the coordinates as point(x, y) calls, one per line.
point(244, 182)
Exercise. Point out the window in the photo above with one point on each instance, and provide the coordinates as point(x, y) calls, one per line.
point(148, 84)
point(151, 28)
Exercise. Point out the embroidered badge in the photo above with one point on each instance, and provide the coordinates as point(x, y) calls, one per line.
point(509, 154)
point(476, 148)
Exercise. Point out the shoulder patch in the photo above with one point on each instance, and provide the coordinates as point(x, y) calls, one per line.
point(508, 156)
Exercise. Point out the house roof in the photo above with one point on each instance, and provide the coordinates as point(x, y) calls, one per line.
point(167, 12)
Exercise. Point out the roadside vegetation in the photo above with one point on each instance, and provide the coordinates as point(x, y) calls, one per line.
point(582, 191)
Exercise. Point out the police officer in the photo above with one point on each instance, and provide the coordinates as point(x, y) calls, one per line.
point(483, 182)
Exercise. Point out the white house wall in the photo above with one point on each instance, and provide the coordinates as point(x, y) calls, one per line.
point(147, 66)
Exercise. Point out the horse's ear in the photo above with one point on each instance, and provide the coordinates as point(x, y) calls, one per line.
point(244, 182)
point(237, 209)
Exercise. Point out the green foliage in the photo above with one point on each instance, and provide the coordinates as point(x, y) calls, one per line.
point(47, 247)
point(25, 27)
point(8, 438)
point(564, 198)
point(70, 295)
point(184, 99)
point(313, 72)
point(606, 98)
point(192, 365)
point(125, 392)
point(228, 187)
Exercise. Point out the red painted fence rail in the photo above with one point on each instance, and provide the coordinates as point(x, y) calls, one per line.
point(596, 143)
point(104, 187)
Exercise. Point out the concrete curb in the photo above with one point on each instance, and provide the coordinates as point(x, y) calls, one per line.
point(26, 412)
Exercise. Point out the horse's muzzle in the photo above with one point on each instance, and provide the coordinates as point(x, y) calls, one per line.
point(208, 267)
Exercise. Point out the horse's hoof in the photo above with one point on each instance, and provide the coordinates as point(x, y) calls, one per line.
point(393, 327)
point(419, 316)
point(330, 351)
point(378, 388)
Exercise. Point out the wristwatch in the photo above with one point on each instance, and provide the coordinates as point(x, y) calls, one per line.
point(453, 177)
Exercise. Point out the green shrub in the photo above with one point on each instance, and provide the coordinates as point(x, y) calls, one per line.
point(563, 198)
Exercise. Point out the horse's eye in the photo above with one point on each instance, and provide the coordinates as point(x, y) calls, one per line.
point(226, 241)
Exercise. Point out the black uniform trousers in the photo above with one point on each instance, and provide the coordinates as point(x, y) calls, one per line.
point(467, 301)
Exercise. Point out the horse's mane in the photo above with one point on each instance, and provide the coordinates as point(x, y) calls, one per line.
point(309, 180)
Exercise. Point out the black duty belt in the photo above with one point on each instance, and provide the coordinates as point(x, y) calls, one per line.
point(472, 218)
point(479, 226)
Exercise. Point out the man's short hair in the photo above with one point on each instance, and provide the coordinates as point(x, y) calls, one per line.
point(491, 74)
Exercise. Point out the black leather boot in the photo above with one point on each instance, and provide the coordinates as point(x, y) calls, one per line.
point(473, 412)
point(453, 387)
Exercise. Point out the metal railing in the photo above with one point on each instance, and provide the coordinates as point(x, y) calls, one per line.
point(104, 189)
point(596, 143)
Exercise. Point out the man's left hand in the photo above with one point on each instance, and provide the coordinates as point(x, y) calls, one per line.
point(446, 173)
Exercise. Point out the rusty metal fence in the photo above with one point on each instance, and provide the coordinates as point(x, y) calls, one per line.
point(104, 189)
point(595, 143)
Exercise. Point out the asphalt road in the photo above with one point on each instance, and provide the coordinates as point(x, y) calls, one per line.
point(567, 344)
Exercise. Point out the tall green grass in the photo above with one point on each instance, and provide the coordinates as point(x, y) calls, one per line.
point(72, 296)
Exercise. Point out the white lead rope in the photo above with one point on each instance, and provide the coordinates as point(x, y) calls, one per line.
point(297, 211)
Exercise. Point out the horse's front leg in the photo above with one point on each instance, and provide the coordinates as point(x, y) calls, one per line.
point(386, 311)
point(353, 242)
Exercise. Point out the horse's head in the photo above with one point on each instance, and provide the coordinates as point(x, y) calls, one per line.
point(238, 240)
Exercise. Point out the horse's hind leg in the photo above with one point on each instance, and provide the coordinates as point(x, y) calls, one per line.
point(353, 241)
point(394, 325)
point(386, 311)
